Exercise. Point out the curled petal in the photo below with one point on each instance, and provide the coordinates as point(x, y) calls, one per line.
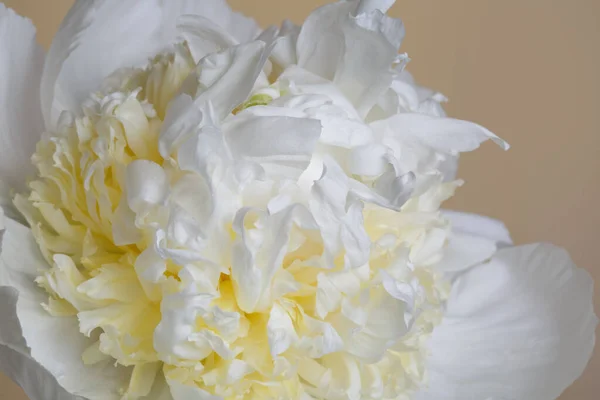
point(445, 135)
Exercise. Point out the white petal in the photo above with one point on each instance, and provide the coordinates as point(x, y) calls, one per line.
point(226, 78)
point(205, 153)
point(36, 382)
point(280, 330)
point(272, 139)
point(184, 118)
point(478, 225)
point(298, 81)
point(405, 95)
point(449, 167)
point(354, 236)
point(180, 391)
point(208, 339)
point(259, 251)
point(2, 227)
point(320, 44)
point(399, 290)
point(396, 189)
point(124, 230)
point(147, 184)
point(355, 52)
point(21, 123)
point(518, 327)
point(385, 324)
point(247, 277)
point(366, 6)
point(323, 338)
point(390, 189)
point(204, 36)
point(373, 40)
point(150, 268)
point(369, 160)
point(284, 51)
point(445, 135)
point(473, 240)
point(193, 195)
point(99, 37)
point(463, 251)
point(240, 27)
point(44, 336)
point(179, 311)
point(339, 128)
point(328, 296)
point(339, 217)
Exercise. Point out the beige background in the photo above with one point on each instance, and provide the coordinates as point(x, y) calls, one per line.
point(526, 69)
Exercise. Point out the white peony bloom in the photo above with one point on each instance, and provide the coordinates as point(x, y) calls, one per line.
point(194, 209)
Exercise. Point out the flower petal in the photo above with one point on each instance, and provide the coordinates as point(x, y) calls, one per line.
point(473, 240)
point(180, 391)
point(259, 251)
point(280, 330)
point(366, 6)
point(446, 135)
point(339, 214)
point(284, 51)
point(184, 117)
point(518, 327)
point(272, 139)
point(99, 37)
point(36, 382)
point(228, 76)
point(339, 126)
point(147, 184)
point(355, 52)
point(204, 36)
point(479, 225)
point(21, 123)
point(464, 251)
point(39, 337)
point(239, 26)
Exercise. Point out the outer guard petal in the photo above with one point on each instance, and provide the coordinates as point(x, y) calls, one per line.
point(99, 37)
point(38, 345)
point(518, 327)
point(21, 124)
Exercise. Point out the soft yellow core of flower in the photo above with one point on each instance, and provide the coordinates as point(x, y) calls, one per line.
point(72, 209)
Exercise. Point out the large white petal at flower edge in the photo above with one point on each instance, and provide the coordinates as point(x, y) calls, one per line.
point(99, 37)
point(36, 348)
point(520, 326)
point(21, 123)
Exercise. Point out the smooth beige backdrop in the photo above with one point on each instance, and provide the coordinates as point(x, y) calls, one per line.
point(526, 69)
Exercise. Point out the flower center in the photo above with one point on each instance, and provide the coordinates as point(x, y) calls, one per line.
point(220, 286)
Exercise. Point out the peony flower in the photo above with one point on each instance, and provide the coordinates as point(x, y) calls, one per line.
point(196, 209)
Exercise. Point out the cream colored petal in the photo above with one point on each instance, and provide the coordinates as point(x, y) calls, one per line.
point(53, 342)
